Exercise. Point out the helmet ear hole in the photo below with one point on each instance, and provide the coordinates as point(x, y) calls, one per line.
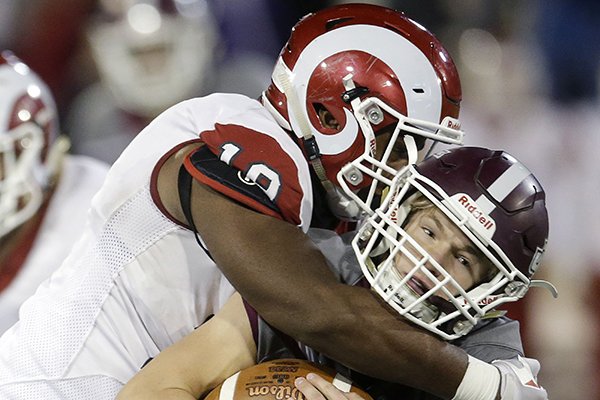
point(326, 118)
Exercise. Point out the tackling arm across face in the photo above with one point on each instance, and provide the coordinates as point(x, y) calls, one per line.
point(280, 272)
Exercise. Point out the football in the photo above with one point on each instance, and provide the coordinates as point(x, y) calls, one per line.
point(274, 380)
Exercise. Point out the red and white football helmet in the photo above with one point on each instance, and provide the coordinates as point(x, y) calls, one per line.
point(28, 132)
point(500, 207)
point(152, 54)
point(371, 68)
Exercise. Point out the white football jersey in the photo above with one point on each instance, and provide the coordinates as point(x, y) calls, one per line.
point(137, 281)
point(62, 226)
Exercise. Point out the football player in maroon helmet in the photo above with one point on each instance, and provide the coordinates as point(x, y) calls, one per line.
point(494, 201)
point(462, 233)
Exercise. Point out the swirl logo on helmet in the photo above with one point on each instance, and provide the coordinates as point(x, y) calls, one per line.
point(410, 65)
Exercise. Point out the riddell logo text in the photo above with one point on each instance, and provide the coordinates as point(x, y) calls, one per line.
point(372, 145)
point(453, 124)
point(483, 302)
point(474, 210)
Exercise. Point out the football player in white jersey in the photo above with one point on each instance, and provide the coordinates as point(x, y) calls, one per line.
point(44, 192)
point(462, 233)
point(357, 91)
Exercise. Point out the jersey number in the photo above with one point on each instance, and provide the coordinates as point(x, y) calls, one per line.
point(258, 173)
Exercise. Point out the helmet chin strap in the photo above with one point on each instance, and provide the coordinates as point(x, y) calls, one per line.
point(405, 296)
point(283, 77)
point(411, 149)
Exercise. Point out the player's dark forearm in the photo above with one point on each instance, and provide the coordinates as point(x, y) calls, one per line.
point(286, 279)
point(375, 342)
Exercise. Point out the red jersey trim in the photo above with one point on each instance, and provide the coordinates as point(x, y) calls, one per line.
point(154, 181)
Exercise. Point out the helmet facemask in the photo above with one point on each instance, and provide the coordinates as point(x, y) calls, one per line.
point(426, 293)
point(376, 168)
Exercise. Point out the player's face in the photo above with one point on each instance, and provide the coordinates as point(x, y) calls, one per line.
point(447, 245)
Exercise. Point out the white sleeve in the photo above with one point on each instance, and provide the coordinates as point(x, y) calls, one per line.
point(518, 379)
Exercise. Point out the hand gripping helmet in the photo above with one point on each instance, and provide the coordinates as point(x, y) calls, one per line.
point(152, 54)
point(371, 68)
point(498, 205)
point(28, 149)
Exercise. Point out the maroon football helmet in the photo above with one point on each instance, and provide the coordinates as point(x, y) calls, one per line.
point(371, 68)
point(494, 201)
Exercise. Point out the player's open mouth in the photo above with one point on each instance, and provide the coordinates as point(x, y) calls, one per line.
point(417, 286)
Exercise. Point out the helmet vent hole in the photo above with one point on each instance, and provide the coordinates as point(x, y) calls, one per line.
point(329, 25)
point(419, 90)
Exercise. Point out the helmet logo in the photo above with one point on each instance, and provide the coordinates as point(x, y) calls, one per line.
point(451, 123)
point(408, 62)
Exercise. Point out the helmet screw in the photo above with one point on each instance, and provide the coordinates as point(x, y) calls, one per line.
point(375, 115)
point(354, 176)
point(462, 327)
point(517, 289)
point(366, 234)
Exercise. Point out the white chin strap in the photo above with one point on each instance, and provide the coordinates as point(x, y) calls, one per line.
point(411, 149)
point(283, 78)
point(343, 206)
point(405, 296)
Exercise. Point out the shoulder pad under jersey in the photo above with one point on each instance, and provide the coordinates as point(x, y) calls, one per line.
point(270, 162)
point(230, 181)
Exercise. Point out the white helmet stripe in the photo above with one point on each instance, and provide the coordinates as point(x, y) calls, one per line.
point(502, 186)
point(410, 65)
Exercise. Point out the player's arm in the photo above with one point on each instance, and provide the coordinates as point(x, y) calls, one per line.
point(200, 361)
point(282, 274)
point(518, 380)
point(313, 387)
point(279, 271)
point(286, 278)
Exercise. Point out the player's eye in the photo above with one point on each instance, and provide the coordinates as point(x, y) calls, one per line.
point(428, 232)
point(464, 261)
